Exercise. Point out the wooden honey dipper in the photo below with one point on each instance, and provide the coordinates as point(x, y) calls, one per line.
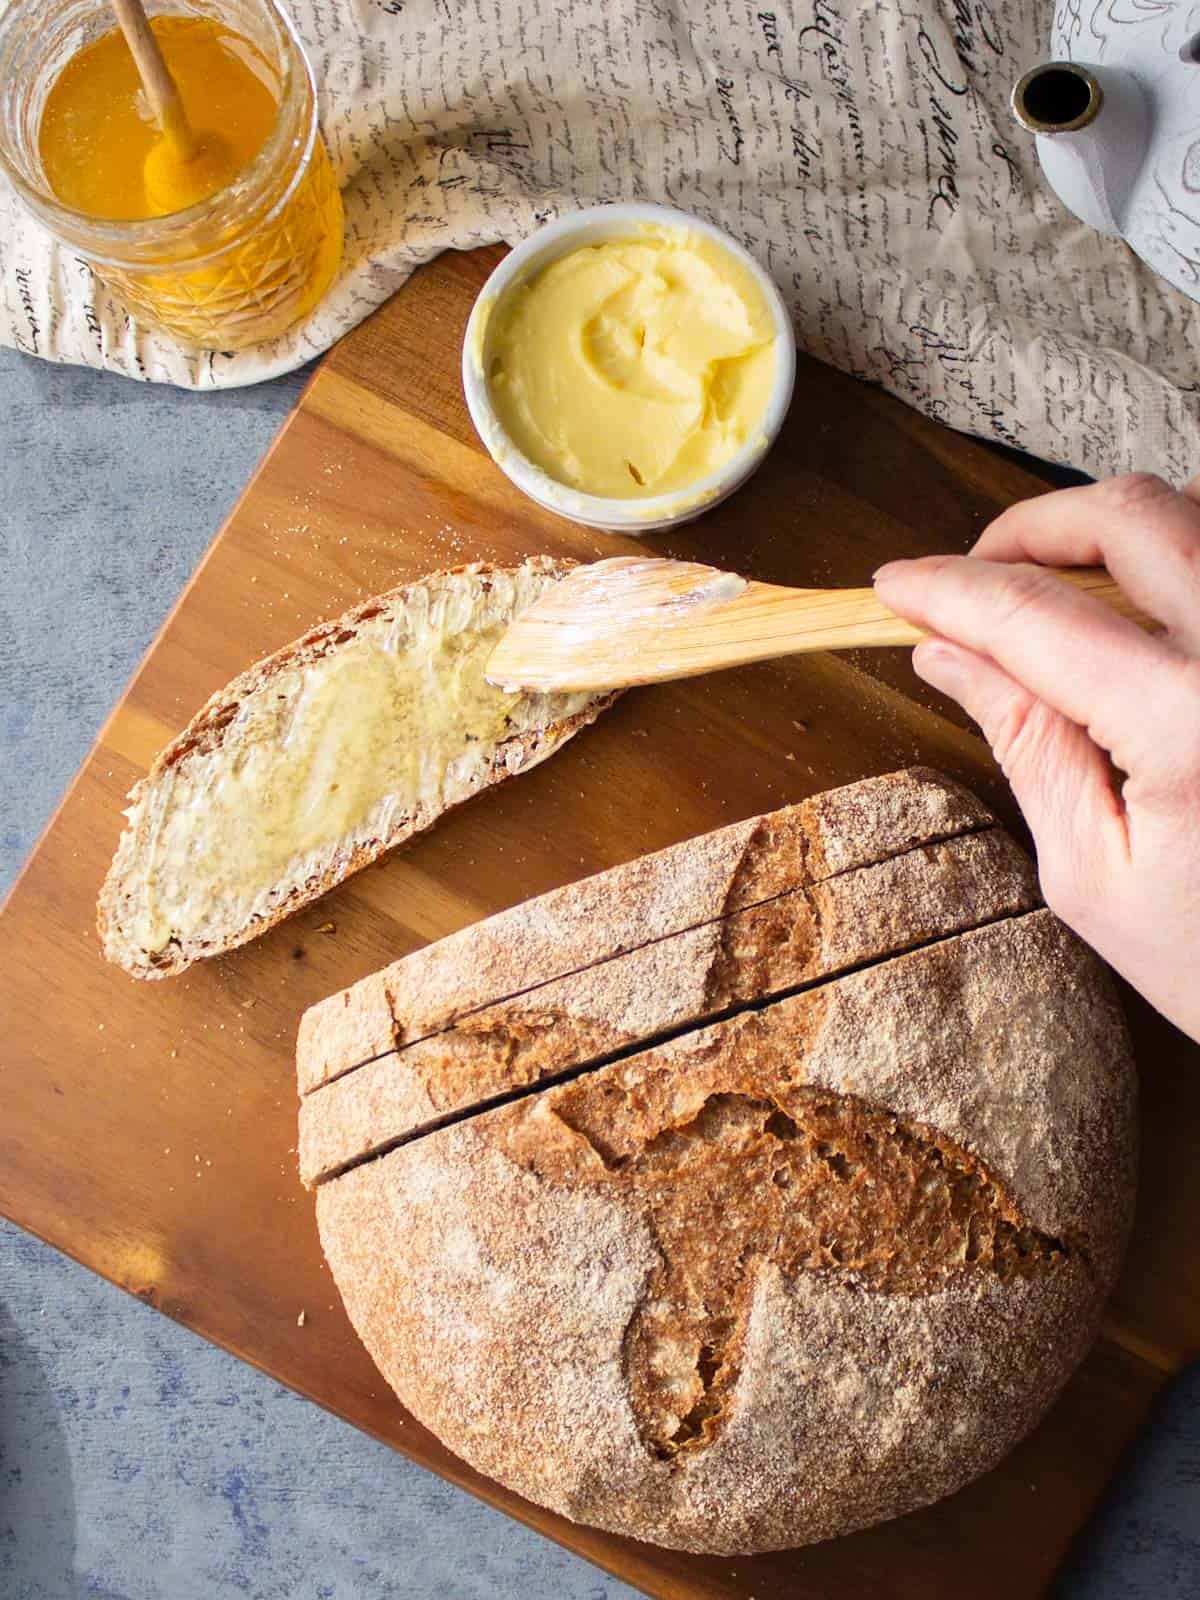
point(183, 167)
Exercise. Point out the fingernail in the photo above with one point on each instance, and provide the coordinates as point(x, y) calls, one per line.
point(888, 570)
point(940, 665)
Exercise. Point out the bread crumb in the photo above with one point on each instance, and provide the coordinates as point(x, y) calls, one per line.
point(302, 1319)
point(327, 927)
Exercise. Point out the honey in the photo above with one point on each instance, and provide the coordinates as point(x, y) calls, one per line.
point(101, 149)
point(223, 242)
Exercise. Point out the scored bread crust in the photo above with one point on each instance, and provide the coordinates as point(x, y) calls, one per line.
point(118, 900)
point(495, 1268)
point(796, 938)
point(653, 897)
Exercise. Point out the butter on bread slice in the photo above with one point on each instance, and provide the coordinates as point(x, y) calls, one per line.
point(323, 757)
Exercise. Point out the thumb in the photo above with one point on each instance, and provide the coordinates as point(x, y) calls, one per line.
point(1062, 780)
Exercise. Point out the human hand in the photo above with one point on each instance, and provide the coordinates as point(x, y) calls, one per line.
point(1066, 691)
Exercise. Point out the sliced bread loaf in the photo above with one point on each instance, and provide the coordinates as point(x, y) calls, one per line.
point(778, 1278)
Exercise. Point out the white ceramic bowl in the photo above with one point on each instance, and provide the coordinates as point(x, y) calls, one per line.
point(596, 511)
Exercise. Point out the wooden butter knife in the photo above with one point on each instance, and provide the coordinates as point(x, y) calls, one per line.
point(615, 623)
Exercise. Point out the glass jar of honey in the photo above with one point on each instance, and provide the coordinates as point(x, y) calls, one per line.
point(223, 251)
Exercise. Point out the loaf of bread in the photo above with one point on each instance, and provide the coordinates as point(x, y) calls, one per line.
point(737, 1284)
point(318, 760)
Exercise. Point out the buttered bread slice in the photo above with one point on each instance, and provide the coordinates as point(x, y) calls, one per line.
point(320, 759)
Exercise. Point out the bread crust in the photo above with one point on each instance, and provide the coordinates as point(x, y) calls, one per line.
point(654, 897)
point(496, 1268)
point(796, 938)
point(118, 900)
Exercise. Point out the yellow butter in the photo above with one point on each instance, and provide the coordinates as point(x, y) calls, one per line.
point(634, 367)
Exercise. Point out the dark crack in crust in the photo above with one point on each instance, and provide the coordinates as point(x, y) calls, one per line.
point(812, 1181)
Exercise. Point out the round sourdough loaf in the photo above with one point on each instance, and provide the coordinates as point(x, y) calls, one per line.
point(777, 1278)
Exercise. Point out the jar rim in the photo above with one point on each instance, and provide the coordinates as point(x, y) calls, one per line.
point(296, 74)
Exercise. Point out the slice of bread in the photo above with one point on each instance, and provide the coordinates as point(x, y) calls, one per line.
point(799, 938)
point(321, 758)
point(653, 897)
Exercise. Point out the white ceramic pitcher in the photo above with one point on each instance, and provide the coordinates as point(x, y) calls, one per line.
point(1117, 120)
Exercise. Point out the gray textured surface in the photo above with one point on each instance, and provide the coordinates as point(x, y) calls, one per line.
point(135, 1461)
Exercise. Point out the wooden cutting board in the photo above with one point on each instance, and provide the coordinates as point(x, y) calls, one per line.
point(148, 1130)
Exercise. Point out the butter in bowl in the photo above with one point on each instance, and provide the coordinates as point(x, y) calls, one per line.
point(629, 366)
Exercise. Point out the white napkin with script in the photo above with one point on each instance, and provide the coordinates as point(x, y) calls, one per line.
point(864, 153)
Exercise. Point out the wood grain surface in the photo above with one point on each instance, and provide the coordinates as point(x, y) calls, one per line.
point(149, 1130)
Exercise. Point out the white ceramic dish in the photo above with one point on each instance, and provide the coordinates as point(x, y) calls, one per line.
point(594, 226)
